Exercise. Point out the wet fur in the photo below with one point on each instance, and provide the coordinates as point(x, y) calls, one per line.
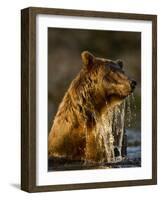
point(87, 108)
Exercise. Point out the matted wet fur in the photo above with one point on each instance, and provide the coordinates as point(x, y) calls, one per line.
point(82, 126)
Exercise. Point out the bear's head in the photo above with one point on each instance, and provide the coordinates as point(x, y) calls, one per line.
point(108, 81)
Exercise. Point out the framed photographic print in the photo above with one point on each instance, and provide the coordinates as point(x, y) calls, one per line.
point(88, 99)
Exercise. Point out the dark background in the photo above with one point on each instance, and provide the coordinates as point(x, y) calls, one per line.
point(64, 62)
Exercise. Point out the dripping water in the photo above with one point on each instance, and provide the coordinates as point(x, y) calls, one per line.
point(106, 133)
point(133, 105)
point(111, 125)
point(130, 110)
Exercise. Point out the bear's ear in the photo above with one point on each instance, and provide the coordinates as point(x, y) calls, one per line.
point(120, 63)
point(87, 59)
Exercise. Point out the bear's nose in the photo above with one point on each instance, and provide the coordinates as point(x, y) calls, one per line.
point(133, 84)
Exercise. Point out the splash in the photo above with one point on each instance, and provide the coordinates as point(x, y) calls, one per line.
point(118, 129)
point(109, 130)
point(105, 130)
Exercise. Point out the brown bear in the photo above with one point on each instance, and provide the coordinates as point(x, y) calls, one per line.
point(82, 128)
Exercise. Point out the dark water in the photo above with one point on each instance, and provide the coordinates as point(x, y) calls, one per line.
point(133, 158)
point(134, 144)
